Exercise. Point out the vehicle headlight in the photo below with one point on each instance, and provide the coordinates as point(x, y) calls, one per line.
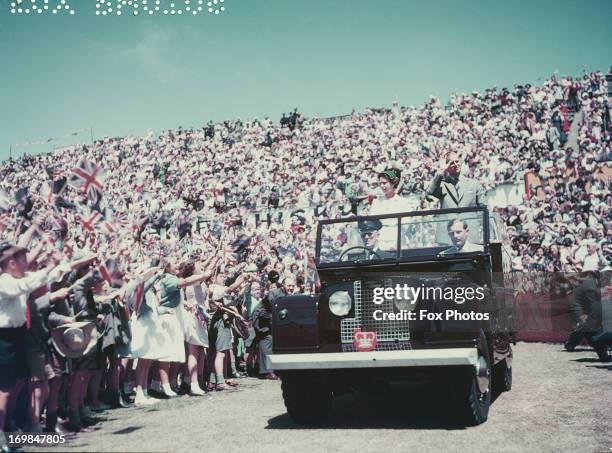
point(340, 303)
point(405, 302)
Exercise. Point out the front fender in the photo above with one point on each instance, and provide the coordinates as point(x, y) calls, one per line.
point(295, 326)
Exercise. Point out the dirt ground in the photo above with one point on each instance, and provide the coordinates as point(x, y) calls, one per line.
point(560, 401)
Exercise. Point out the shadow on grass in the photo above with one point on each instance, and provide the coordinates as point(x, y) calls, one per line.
point(421, 407)
point(578, 349)
point(603, 367)
point(128, 430)
point(587, 360)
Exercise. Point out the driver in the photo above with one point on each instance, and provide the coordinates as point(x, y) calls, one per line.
point(459, 232)
point(369, 230)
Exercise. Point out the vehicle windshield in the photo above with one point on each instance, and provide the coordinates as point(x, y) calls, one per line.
point(428, 235)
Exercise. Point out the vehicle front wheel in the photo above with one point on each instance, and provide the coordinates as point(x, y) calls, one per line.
point(473, 395)
point(307, 402)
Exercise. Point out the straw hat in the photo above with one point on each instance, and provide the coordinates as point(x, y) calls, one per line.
point(76, 339)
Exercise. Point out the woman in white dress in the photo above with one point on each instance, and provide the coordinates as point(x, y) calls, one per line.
point(390, 203)
point(194, 319)
point(170, 300)
point(157, 332)
point(146, 344)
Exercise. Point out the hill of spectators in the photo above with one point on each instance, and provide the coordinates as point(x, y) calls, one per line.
point(196, 230)
point(271, 182)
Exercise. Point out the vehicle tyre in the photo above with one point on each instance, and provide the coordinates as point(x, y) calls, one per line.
point(307, 401)
point(473, 394)
point(502, 377)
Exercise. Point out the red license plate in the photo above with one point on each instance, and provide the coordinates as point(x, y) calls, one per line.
point(364, 341)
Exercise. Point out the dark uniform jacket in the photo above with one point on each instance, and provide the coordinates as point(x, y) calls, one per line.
point(262, 319)
point(83, 302)
point(586, 300)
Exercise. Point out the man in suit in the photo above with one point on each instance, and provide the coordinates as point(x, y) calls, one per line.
point(459, 232)
point(451, 189)
point(262, 323)
point(585, 310)
point(454, 191)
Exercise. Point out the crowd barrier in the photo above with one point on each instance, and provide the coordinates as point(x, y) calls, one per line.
point(550, 321)
point(542, 319)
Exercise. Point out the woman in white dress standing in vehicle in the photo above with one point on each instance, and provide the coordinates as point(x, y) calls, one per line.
point(390, 203)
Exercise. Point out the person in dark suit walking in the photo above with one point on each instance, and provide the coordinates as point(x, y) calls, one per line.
point(262, 323)
point(585, 311)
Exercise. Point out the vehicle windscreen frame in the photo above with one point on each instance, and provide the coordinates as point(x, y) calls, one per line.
point(398, 258)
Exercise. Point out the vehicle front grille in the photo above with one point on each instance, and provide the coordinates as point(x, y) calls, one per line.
point(386, 330)
point(382, 346)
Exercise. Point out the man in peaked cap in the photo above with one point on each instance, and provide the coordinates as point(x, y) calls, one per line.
point(369, 231)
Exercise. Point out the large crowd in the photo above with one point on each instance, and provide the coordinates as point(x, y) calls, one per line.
point(173, 246)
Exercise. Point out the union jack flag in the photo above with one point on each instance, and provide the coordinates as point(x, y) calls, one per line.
point(88, 221)
point(58, 225)
point(59, 185)
point(53, 171)
point(108, 227)
point(198, 312)
point(135, 299)
point(113, 221)
point(88, 178)
point(46, 192)
point(207, 237)
point(258, 247)
point(255, 247)
point(120, 218)
point(109, 270)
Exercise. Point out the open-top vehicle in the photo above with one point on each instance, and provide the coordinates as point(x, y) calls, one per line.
point(394, 304)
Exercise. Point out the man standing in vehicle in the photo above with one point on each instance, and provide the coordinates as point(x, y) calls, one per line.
point(454, 191)
point(451, 189)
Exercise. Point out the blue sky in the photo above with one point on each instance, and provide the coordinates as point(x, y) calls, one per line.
point(119, 75)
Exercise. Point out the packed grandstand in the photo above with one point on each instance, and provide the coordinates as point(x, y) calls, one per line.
point(196, 225)
point(267, 184)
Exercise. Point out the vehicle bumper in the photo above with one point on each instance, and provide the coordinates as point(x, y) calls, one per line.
point(375, 359)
